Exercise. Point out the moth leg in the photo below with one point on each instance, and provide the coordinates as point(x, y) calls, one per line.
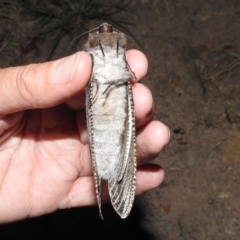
point(115, 83)
point(108, 87)
point(93, 100)
point(130, 70)
point(117, 47)
point(100, 45)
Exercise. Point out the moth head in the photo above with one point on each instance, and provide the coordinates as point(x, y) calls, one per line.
point(105, 27)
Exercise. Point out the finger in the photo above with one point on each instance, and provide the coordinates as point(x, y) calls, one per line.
point(149, 176)
point(43, 85)
point(150, 141)
point(143, 104)
point(138, 63)
point(83, 192)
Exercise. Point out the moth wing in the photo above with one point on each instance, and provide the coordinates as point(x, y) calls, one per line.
point(122, 187)
point(90, 98)
point(130, 125)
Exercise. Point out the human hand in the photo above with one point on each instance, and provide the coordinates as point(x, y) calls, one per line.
point(45, 161)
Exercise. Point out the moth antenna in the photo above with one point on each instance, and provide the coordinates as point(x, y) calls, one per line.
point(129, 37)
point(83, 34)
point(116, 30)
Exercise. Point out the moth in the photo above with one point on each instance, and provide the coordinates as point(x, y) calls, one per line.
point(111, 118)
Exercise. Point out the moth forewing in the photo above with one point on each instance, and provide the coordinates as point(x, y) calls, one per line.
point(111, 118)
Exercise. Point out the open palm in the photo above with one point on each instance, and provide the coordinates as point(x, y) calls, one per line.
point(44, 154)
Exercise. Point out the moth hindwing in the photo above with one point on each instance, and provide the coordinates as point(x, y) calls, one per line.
point(111, 118)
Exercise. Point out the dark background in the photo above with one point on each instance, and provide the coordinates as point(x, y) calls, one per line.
point(193, 48)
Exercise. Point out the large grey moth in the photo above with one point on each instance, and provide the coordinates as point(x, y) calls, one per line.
point(111, 118)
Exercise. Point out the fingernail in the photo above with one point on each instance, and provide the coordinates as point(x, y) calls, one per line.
point(63, 70)
point(169, 136)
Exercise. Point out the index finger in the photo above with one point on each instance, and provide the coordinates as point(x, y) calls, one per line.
point(138, 63)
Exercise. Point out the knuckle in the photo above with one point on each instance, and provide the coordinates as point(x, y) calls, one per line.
point(24, 85)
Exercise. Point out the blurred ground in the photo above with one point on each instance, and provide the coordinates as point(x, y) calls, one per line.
point(194, 71)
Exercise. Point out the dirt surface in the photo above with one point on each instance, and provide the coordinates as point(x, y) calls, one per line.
point(194, 70)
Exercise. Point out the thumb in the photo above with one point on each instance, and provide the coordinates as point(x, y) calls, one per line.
point(43, 85)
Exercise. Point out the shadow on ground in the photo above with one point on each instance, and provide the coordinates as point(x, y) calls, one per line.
point(79, 223)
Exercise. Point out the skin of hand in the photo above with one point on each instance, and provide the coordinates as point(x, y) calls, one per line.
point(45, 161)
